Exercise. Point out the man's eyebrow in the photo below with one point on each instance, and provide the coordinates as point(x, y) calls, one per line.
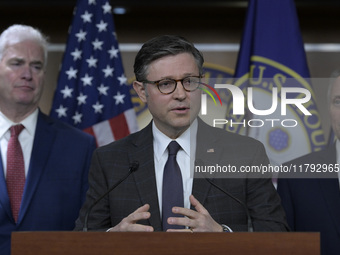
point(190, 74)
point(16, 59)
point(36, 62)
point(184, 76)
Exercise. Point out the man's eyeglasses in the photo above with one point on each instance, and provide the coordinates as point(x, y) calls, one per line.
point(167, 86)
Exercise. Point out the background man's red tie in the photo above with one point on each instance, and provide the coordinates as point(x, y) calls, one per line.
point(15, 177)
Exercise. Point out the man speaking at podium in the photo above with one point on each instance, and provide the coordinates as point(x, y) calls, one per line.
point(160, 194)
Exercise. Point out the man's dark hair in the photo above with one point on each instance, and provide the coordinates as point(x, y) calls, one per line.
point(162, 46)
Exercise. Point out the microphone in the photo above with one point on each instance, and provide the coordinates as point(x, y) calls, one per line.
point(133, 167)
point(249, 220)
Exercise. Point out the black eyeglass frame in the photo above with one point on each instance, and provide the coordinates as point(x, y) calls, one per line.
point(176, 81)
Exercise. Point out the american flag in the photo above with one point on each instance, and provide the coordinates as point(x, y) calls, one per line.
point(92, 92)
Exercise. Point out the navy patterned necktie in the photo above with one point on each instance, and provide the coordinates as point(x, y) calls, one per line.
point(172, 187)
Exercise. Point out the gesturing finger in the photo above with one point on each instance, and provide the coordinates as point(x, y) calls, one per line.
point(129, 223)
point(198, 206)
point(141, 213)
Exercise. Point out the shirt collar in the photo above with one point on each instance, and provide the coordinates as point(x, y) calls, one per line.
point(30, 123)
point(187, 140)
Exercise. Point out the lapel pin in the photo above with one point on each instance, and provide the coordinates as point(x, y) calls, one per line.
point(211, 150)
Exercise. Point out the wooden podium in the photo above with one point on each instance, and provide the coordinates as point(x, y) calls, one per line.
point(83, 243)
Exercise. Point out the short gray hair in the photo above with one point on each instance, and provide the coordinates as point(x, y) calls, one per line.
point(19, 33)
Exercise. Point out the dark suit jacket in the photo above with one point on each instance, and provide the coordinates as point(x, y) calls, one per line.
point(56, 183)
point(110, 163)
point(313, 205)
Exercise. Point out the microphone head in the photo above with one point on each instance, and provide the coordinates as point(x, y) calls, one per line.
point(134, 166)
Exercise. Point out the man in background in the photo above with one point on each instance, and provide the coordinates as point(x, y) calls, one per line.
point(313, 204)
point(44, 163)
point(168, 73)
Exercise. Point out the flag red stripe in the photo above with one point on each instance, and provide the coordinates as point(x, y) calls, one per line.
point(119, 126)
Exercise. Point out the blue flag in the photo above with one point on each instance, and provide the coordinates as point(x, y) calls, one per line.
point(92, 92)
point(272, 64)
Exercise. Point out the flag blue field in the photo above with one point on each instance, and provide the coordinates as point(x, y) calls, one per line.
point(92, 92)
point(272, 56)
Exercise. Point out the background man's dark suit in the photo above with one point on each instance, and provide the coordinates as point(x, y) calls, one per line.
point(56, 184)
point(314, 204)
point(110, 163)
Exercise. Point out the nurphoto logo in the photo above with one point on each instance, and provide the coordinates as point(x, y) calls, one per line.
point(242, 105)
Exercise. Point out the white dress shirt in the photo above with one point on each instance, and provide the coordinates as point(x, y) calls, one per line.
point(185, 159)
point(26, 137)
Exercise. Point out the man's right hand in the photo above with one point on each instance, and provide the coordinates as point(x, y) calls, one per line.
point(129, 224)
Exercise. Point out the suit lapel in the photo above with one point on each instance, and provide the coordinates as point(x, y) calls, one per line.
point(4, 199)
point(43, 142)
point(206, 153)
point(145, 176)
point(330, 189)
point(331, 194)
point(200, 189)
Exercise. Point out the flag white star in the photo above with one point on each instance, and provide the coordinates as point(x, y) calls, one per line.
point(107, 8)
point(81, 35)
point(101, 26)
point(119, 98)
point(97, 44)
point(81, 99)
point(87, 17)
point(76, 54)
point(87, 80)
point(108, 71)
point(113, 52)
point(103, 89)
point(61, 111)
point(92, 61)
point(122, 79)
point(67, 92)
point(77, 117)
point(98, 107)
point(92, 2)
point(71, 73)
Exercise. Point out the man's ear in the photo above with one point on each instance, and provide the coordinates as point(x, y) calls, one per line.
point(140, 90)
